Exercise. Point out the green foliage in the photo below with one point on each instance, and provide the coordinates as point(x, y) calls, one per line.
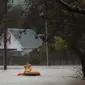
point(42, 48)
point(58, 45)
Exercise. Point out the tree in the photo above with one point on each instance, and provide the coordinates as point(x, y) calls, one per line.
point(15, 15)
point(1, 14)
point(57, 44)
point(65, 18)
point(60, 44)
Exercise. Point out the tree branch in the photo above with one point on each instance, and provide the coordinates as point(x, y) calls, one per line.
point(71, 8)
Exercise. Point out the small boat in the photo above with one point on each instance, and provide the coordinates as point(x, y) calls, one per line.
point(33, 73)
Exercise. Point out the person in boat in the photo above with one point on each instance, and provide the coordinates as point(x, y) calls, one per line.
point(28, 68)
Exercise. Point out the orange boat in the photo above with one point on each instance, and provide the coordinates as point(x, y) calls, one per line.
point(33, 73)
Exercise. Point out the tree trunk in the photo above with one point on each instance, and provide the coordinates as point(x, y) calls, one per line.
point(82, 59)
point(83, 64)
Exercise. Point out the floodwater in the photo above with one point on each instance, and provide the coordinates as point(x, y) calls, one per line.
point(52, 75)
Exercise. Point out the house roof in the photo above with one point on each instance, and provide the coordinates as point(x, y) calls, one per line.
point(12, 42)
point(26, 43)
point(27, 40)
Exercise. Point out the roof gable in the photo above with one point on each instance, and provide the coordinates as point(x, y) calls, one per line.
point(27, 40)
point(12, 42)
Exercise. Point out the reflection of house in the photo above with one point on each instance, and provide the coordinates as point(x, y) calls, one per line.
point(18, 44)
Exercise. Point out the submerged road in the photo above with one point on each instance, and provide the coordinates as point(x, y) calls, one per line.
point(52, 75)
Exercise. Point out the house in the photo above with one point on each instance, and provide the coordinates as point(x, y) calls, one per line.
point(19, 44)
point(25, 42)
point(13, 46)
point(28, 39)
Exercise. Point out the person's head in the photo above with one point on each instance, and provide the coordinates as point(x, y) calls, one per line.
point(29, 65)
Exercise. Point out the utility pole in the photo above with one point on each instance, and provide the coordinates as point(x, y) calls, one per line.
point(5, 35)
point(46, 32)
